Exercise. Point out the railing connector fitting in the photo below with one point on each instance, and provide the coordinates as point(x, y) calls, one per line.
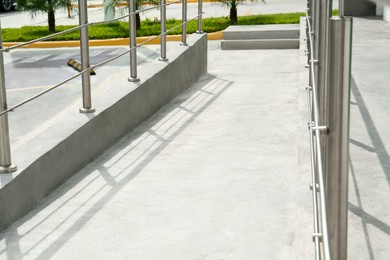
point(314, 61)
point(130, 79)
point(323, 129)
point(87, 110)
point(8, 169)
point(317, 187)
point(319, 235)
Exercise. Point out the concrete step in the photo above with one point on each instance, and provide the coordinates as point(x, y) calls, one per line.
point(269, 31)
point(260, 44)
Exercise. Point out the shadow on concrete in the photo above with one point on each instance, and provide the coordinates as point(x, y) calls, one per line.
point(142, 145)
point(378, 146)
point(366, 218)
point(383, 157)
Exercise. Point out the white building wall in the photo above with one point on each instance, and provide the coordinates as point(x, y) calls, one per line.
point(386, 12)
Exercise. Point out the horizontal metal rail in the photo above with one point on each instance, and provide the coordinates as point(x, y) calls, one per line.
point(8, 49)
point(318, 184)
point(12, 108)
point(6, 165)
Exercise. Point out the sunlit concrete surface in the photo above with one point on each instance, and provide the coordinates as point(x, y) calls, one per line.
point(369, 183)
point(219, 173)
point(223, 171)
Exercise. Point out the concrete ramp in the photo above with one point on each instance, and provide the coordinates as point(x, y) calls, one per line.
point(73, 140)
point(273, 36)
point(215, 174)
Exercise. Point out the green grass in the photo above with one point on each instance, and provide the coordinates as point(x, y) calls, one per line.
point(148, 27)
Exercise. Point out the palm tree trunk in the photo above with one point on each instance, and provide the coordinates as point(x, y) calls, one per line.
point(233, 14)
point(137, 21)
point(51, 20)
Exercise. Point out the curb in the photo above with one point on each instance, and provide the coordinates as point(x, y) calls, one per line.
point(109, 42)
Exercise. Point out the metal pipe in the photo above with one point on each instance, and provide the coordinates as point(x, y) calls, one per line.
point(308, 20)
point(200, 7)
point(325, 13)
point(314, 182)
point(319, 163)
point(184, 24)
point(338, 137)
point(133, 42)
point(5, 148)
point(84, 50)
point(341, 8)
point(42, 38)
point(163, 22)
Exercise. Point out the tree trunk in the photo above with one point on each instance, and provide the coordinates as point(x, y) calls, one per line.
point(137, 21)
point(52, 21)
point(233, 14)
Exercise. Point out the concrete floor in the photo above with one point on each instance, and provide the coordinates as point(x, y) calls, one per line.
point(369, 184)
point(213, 175)
point(222, 172)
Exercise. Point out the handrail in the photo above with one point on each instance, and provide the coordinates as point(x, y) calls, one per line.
point(318, 185)
point(44, 38)
point(12, 108)
point(5, 159)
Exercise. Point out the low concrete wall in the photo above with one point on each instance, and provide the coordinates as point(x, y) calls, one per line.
point(80, 139)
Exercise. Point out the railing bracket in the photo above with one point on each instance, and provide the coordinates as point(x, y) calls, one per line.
point(317, 186)
point(319, 235)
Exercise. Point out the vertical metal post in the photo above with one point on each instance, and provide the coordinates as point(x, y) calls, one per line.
point(5, 148)
point(341, 8)
point(325, 13)
point(133, 42)
point(309, 19)
point(163, 22)
point(200, 11)
point(184, 25)
point(84, 50)
point(338, 137)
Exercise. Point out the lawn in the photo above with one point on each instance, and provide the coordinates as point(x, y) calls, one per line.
point(148, 27)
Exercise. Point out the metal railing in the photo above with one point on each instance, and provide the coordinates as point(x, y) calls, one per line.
point(329, 62)
point(6, 165)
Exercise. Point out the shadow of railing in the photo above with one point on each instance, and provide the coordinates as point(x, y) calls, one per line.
point(378, 148)
point(94, 187)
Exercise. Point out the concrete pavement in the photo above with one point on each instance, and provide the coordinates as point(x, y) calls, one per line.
point(223, 171)
point(213, 175)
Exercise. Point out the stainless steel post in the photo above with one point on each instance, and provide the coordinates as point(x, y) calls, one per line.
point(341, 8)
point(84, 50)
point(200, 10)
point(133, 42)
point(325, 13)
point(338, 137)
point(163, 22)
point(184, 25)
point(308, 20)
point(5, 148)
